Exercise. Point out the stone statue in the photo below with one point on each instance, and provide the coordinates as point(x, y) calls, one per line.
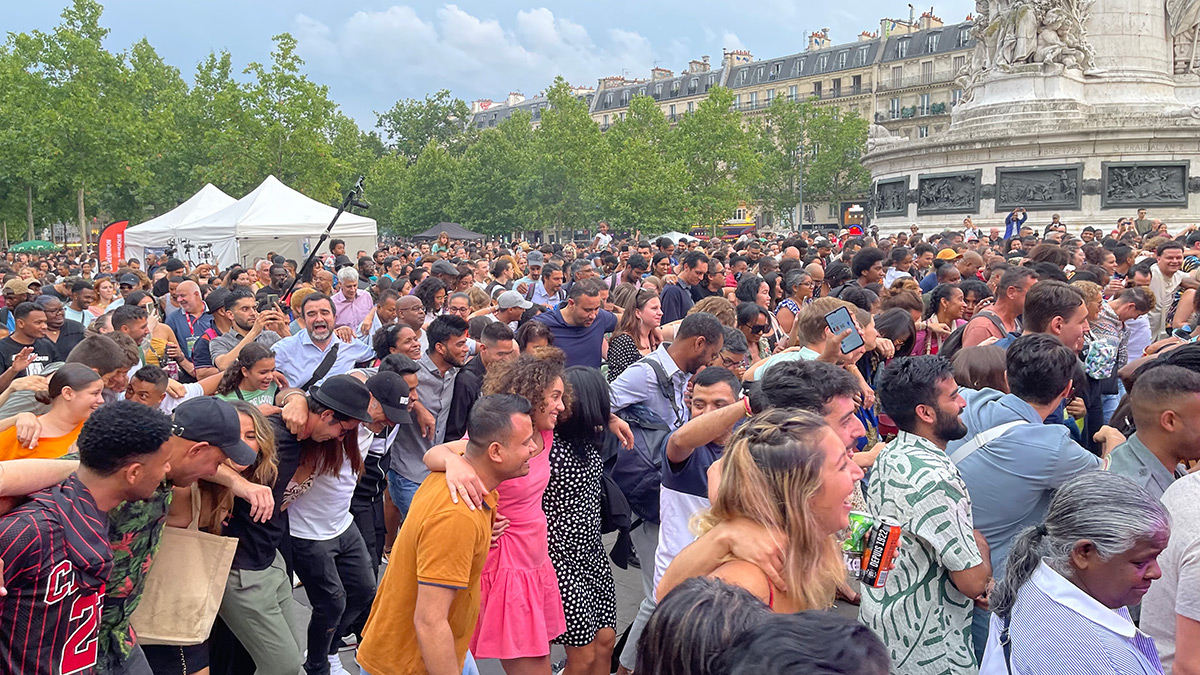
point(1184, 21)
point(879, 138)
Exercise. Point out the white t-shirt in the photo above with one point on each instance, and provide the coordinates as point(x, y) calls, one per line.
point(323, 512)
point(603, 239)
point(1178, 591)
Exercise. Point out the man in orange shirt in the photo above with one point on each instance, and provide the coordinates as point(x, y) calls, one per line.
point(428, 601)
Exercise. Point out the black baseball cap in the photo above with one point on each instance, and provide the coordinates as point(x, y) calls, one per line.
point(346, 395)
point(391, 391)
point(129, 279)
point(206, 419)
point(175, 264)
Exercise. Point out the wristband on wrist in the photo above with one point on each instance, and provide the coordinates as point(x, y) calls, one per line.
point(746, 402)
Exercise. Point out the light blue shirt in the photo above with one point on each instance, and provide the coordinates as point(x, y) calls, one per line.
point(541, 297)
point(639, 384)
point(1011, 478)
point(1057, 628)
point(297, 357)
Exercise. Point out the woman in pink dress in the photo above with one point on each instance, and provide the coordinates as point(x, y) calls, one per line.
point(520, 608)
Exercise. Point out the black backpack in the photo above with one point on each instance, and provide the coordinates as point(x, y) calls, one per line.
point(953, 341)
point(638, 472)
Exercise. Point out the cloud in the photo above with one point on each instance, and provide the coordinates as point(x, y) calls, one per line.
point(730, 41)
point(401, 52)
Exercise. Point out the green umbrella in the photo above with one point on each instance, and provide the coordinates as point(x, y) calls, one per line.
point(35, 246)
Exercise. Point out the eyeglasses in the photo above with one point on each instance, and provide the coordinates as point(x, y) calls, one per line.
point(758, 329)
point(730, 363)
point(459, 310)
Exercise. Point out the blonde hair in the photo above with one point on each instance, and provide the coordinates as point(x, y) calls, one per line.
point(478, 298)
point(772, 469)
point(1091, 291)
point(718, 307)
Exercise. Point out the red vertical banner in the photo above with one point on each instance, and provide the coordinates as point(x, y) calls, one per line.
point(111, 246)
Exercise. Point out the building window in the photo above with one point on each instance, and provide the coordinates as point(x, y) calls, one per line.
point(625, 97)
point(776, 68)
point(770, 96)
point(621, 116)
point(927, 72)
point(800, 65)
point(837, 87)
point(737, 101)
point(792, 93)
point(672, 111)
point(693, 85)
point(931, 42)
point(712, 79)
point(606, 120)
point(925, 104)
point(963, 37)
point(856, 83)
point(741, 78)
point(897, 76)
point(753, 103)
point(956, 96)
point(817, 89)
point(902, 48)
point(841, 60)
point(691, 106)
point(607, 100)
point(760, 72)
point(657, 90)
point(960, 62)
point(894, 108)
point(860, 56)
point(642, 91)
point(822, 63)
point(923, 132)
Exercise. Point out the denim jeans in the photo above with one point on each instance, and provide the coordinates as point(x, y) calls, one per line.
point(340, 584)
point(402, 490)
point(645, 542)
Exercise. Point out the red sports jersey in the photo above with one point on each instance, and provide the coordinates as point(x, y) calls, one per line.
point(56, 561)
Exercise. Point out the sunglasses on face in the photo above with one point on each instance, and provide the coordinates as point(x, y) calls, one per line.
point(762, 328)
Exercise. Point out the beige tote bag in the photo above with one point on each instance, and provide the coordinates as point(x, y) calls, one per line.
point(185, 585)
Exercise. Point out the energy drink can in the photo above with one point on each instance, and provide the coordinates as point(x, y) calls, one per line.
point(855, 543)
point(880, 556)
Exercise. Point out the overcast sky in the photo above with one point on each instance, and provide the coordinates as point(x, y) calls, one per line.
point(373, 52)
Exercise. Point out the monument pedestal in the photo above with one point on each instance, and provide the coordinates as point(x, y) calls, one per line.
point(1089, 135)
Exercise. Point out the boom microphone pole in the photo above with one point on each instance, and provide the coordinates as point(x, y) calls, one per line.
point(353, 199)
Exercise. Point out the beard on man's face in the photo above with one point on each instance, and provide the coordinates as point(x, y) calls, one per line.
point(949, 426)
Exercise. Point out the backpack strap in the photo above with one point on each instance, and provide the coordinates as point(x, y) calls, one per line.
point(323, 367)
point(664, 386)
point(1006, 643)
point(981, 439)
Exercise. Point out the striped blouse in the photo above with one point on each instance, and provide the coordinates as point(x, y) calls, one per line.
point(1058, 629)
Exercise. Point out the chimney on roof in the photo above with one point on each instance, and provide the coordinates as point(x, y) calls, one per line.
point(514, 97)
point(819, 39)
point(928, 20)
point(736, 57)
point(479, 105)
point(866, 36)
point(661, 74)
point(698, 66)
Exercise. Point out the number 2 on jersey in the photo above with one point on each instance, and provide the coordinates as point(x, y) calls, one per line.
point(79, 652)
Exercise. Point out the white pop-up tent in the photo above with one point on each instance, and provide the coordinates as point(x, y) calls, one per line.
point(157, 233)
point(274, 217)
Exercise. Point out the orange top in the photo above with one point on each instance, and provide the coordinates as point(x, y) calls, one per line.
point(47, 447)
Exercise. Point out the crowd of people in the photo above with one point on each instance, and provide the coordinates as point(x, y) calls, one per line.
point(449, 445)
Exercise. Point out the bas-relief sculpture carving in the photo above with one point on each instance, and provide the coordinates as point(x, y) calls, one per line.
point(948, 194)
point(1048, 187)
point(1184, 22)
point(1010, 34)
point(1129, 184)
point(891, 197)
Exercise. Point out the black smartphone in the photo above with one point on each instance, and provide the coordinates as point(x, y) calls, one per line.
point(839, 320)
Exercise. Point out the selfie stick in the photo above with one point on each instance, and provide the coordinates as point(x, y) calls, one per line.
point(353, 199)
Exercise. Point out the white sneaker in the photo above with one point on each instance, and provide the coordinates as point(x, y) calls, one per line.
point(336, 667)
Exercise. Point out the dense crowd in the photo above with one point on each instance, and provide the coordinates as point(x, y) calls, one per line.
point(981, 440)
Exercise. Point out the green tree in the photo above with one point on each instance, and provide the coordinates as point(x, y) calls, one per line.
point(384, 189)
point(97, 128)
point(568, 149)
point(641, 185)
point(295, 117)
point(834, 170)
point(27, 145)
point(719, 161)
point(410, 125)
point(489, 190)
point(782, 146)
point(425, 196)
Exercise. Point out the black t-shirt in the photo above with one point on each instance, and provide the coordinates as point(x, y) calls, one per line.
point(71, 334)
point(257, 541)
point(43, 348)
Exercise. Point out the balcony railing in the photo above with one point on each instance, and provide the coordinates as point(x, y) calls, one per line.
point(892, 83)
point(823, 96)
point(913, 112)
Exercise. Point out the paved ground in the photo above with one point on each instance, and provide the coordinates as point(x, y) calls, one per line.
point(629, 594)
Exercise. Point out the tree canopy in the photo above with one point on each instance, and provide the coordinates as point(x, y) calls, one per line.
point(89, 133)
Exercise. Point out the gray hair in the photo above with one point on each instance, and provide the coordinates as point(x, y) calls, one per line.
point(1107, 509)
point(735, 341)
point(347, 274)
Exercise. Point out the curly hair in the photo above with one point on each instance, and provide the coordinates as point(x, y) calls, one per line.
point(232, 378)
point(530, 375)
point(120, 433)
point(427, 291)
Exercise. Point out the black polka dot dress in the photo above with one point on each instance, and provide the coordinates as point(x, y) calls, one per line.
point(572, 506)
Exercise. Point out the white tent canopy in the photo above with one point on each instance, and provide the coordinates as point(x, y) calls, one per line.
point(676, 236)
point(274, 217)
point(157, 233)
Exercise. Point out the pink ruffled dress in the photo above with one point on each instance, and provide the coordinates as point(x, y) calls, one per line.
point(520, 608)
